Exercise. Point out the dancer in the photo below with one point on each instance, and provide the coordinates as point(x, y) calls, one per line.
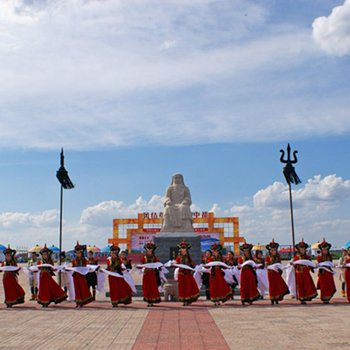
point(81, 288)
point(91, 277)
point(261, 273)
point(49, 290)
point(305, 286)
point(119, 291)
point(248, 279)
point(151, 278)
point(188, 289)
point(277, 287)
point(232, 261)
point(206, 275)
point(347, 275)
point(65, 283)
point(33, 281)
point(325, 281)
point(125, 261)
point(344, 256)
point(14, 293)
point(220, 291)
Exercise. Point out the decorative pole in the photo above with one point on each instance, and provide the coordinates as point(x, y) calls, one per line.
point(291, 177)
point(66, 183)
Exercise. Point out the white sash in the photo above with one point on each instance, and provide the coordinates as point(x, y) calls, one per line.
point(82, 270)
point(9, 268)
point(217, 263)
point(327, 266)
point(126, 276)
point(290, 279)
point(37, 268)
point(250, 263)
point(155, 265)
point(304, 262)
point(183, 266)
point(278, 267)
point(263, 282)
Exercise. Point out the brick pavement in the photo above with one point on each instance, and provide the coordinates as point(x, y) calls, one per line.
point(180, 328)
point(172, 326)
point(99, 326)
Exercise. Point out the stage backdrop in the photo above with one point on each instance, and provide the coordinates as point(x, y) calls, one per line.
point(138, 240)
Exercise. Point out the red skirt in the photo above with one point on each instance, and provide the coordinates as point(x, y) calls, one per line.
point(188, 289)
point(150, 287)
point(326, 285)
point(347, 281)
point(277, 287)
point(218, 287)
point(82, 290)
point(305, 286)
point(14, 293)
point(49, 290)
point(249, 291)
point(119, 291)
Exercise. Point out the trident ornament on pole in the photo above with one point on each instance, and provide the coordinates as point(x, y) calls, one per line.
point(291, 177)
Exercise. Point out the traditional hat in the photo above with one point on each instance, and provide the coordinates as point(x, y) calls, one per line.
point(150, 246)
point(324, 244)
point(114, 248)
point(272, 244)
point(246, 246)
point(301, 244)
point(79, 247)
point(216, 246)
point(46, 250)
point(184, 245)
point(9, 250)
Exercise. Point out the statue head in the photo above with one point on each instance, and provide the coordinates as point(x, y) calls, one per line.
point(177, 179)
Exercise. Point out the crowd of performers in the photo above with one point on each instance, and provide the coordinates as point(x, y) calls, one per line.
point(256, 276)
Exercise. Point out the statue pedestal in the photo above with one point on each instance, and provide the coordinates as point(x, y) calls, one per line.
point(167, 242)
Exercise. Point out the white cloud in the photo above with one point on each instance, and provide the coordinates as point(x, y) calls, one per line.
point(89, 74)
point(322, 190)
point(15, 220)
point(104, 212)
point(319, 207)
point(321, 210)
point(28, 229)
point(332, 33)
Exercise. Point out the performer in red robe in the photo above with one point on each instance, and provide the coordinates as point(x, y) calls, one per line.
point(49, 290)
point(305, 286)
point(248, 280)
point(220, 291)
point(91, 277)
point(188, 289)
point(277, 287)
point(81, 288)
point(119, 291)
point(150, 279)
point(325, 281)
point(347, 276)
point(231, 260)
point(14, 293)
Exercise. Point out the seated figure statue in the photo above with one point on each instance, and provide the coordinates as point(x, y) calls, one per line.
point(177, 212)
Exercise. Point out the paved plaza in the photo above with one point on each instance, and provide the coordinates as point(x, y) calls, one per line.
point(169, 325)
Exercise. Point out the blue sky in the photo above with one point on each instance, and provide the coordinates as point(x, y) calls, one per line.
point(136, 91)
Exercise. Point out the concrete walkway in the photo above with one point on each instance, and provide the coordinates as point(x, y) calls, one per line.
point(172, 326)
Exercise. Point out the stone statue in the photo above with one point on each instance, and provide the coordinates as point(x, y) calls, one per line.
point(177, 215)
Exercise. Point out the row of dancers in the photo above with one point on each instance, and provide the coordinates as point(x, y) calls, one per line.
point(218, 276)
